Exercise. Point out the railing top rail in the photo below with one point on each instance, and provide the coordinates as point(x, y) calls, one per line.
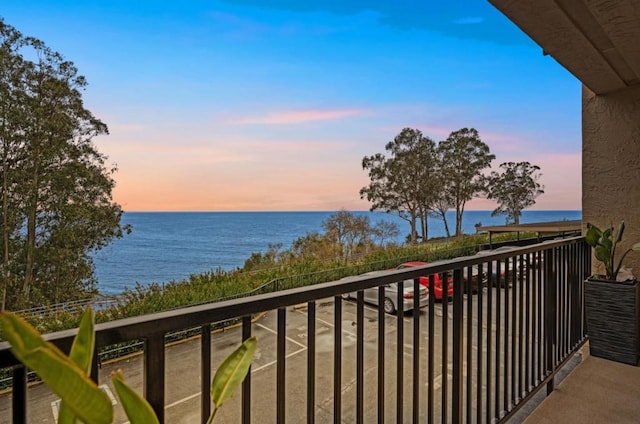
point(193, 316)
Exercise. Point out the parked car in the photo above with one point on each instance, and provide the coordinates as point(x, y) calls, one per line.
point(503, 278)
point(391, 298)
point(477, 281)
point(437, 282)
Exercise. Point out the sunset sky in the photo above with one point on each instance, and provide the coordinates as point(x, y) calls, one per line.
point(271, 104)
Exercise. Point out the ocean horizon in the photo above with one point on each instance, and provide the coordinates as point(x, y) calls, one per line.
point(170, 246)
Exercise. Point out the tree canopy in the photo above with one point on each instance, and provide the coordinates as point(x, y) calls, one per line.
point(515, 188)
point(404, 182)
point(56, 188)
point(419, 178)
point(463, 157)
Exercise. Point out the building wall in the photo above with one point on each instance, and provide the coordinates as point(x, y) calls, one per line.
point(611, 163)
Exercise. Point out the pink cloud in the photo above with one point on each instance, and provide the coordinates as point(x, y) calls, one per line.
point(298, 116)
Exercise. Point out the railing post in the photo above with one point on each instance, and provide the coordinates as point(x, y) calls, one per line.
point(19, 395)
point(205, 370)
point(550, 313)
point(154, 373)
point(246, 383)
point(457, 347)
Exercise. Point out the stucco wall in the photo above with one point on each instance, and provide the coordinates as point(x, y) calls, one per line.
point(611, 163)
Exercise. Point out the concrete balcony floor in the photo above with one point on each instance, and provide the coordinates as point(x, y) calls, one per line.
point(597, 391)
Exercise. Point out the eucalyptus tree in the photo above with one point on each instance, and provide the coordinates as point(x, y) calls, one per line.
point(464, 157)
point(56, 193)
point(515, 188)
point(403, 182)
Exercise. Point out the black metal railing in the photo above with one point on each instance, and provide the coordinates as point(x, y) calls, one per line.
point(478, 358)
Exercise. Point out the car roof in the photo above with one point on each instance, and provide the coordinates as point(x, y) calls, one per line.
point(413, 263)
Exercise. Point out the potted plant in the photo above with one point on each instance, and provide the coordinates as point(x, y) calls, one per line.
point(612, 300)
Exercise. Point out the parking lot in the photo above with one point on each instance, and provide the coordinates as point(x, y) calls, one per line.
point(182, 387)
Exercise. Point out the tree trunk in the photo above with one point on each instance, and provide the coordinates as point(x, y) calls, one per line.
point(5, 225)
point(414, 232)
point(446, 225)
point(458, 221)
point(424, 225)
point(31, 235)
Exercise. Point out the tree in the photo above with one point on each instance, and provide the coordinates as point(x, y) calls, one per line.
point(56, 193)
point(385, 232)
point(463, 157)
point(405, 181)
point(348, 231)
point(515, 188)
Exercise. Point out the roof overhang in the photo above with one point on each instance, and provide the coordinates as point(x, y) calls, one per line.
point(556, 227)
point(598, 41)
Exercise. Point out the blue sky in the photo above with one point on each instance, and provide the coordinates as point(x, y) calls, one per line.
point(271, 105)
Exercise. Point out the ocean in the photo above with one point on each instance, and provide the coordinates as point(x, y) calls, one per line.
point(170, 246)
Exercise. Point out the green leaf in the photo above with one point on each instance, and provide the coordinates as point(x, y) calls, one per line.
point(135, 406)
point(64, 377)
point(22, 336)
point(593, 234)
point(83, 344)
point(602, 253)
point(231, 372)
point(82, 355)
point(619, 233)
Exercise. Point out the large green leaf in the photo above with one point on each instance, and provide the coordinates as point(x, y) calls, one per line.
point(64, 377)
point(231, 372)
point(593, 234)
point(135, 406)
point(83, 345)
point(82, 355)
point(602, 253)
point(22, 336)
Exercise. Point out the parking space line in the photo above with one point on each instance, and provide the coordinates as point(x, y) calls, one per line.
point(410, 355)
point(260, 368)
point(253, 370)
point(183, 400)
point(287, 337)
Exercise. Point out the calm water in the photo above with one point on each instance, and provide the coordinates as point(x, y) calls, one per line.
point(167, 246)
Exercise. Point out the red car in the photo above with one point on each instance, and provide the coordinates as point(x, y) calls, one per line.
point(437, 283)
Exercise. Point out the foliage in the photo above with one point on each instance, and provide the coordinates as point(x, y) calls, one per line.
point(56, 190)
point(515, 189)
point(463, 156)
point(62, 374)
point(604, 244)
point(349, 232)
point(405, 182)
point(82, 400)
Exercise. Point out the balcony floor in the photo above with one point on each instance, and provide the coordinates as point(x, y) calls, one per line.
point(597, 391)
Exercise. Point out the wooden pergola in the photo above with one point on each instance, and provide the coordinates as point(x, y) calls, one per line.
point(555, 227)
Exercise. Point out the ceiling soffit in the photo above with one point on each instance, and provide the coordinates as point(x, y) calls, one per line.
point(598, 41)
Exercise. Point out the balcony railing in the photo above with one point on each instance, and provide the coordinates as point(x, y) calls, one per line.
point(478, 358)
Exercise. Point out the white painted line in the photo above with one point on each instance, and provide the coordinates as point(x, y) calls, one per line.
point(410, 355)
point(276, 333)
point(253, 370)
point(260, 368)
point(333, 326)
point(183, 400)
